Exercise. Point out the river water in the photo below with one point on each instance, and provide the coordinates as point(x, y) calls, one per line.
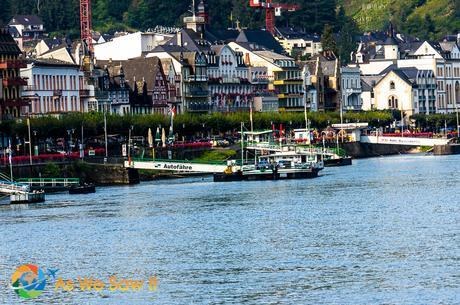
point(384, 231)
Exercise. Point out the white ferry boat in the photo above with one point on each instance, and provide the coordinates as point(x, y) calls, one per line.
point(273, 162)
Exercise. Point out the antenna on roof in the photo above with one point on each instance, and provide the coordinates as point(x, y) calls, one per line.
point(193, 8)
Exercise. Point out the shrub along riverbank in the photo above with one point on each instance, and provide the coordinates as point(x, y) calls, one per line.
point(184, 124)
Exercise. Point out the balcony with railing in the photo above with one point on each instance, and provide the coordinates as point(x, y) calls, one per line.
point(231, 80)
point(101, 95)
point(14, 102)
point(12, 64)
point(290, 95)
point(160, 103)
point(196, 93)
point(199, 107)
point(350, 91)
point(196, 78)
point(294, 81)
point(29, 91)
point(14, 81)
point(260, 81)
point(84, 93)
point(233, 108)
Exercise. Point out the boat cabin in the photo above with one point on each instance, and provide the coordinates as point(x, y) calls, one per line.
point(303, 136)
point(265, 136)
point(351, 131)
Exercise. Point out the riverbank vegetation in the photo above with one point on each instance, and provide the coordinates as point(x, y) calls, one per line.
point(435, 122)
point(217, 155)
point(184, 124)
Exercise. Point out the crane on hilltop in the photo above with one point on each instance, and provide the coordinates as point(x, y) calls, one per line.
point(86, 34)
point(272, 10)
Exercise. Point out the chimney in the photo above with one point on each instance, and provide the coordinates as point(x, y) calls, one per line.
point(247, 59)
point(179, 38)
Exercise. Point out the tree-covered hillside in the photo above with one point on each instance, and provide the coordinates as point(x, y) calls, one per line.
point(424, 18)
point(61, 15)
point(429, 19)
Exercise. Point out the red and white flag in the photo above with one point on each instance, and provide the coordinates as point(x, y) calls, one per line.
point(173, 111)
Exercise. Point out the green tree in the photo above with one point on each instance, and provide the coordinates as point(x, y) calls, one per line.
point(5, 13)
point(51, 170)
point(347, 29)
point(429, 27)
point(327, 39)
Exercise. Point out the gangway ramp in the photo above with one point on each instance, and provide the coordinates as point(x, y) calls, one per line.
point(10, 188)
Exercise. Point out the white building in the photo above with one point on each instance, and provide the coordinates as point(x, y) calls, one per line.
point(54, 87)
point(408, 90)
point(295, 43)
point(229, 80)
point(129, 46)
point(29, 27)
point(284, 75)
point(442, 58)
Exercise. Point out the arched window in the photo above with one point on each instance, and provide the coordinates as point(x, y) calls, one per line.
point(457, 92)
point(393, 102)
point(392, 85)
point(449, 94)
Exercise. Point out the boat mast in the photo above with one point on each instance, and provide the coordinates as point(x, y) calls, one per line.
point(242, 146)
point(10, 159)
point(306, 115)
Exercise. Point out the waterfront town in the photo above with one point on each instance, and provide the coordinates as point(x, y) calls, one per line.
point(197, 93)
point(193, 69)
point(397, 83)
point(227, 164)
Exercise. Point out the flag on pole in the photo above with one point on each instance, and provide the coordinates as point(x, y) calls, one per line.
point(10, 153)
point(158, 137)
point(281, 133)
point(173, 111)
point(250, 116)
point(171, 135)
point(163, 137)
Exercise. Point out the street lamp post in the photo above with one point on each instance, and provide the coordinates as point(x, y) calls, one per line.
point(105, 135)
point(402, 121)
point(129, 142)
point(82, 144)
point(458, 121)
point(35, 143)
point(30, 141)
point(70, 133)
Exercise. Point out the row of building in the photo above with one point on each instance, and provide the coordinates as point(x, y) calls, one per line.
point(406, 74)
point(195, 69)
point(192, 69)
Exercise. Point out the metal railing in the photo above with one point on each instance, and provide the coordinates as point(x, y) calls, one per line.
point(53, 182)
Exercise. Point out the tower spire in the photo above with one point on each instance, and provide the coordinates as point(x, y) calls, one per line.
point(202, 11)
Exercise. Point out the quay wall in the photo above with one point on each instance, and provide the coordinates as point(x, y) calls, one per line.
point(99, 174)
point(359, 150)
point(105, 174)
point(442, 150)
